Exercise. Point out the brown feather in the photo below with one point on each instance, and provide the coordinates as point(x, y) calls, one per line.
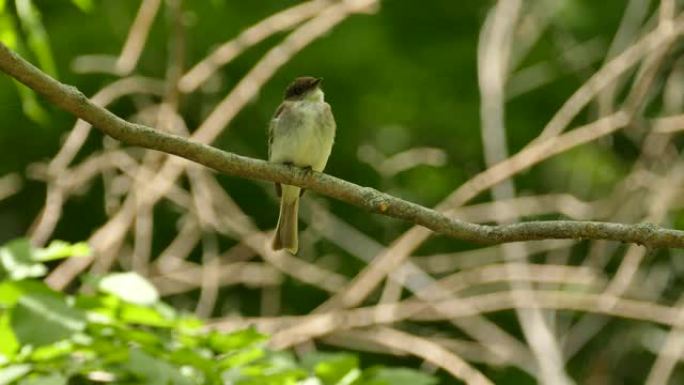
point(300, 86)
point(286, 234)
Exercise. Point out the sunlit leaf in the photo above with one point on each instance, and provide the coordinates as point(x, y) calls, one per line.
point(236, 340)
point(20, 260)
point(101, 309)
point(141, 315)
point(2, 6)
point(60, 249)
point(165, 310)
point(194, 358)
point(402, 376)
point(290, 376)
point(9, 294)
point(49, 379)
point(9, 345)
point(334, 368)
point(50, 352)
point(313, 381)
point(141, 337)
point(242, 357)
point(154, 371)
point(130, 287)
point(42, 319)
point(16, 259)
point(84, 5)
point(11, 291)
point(37, 39)
point(29, 102)
point(8, 31)
point(189, 324)
point(13, 372)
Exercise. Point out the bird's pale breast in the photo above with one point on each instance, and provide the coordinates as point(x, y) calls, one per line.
point(303, 135)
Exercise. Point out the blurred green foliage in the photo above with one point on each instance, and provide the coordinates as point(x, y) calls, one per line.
point(125, 335)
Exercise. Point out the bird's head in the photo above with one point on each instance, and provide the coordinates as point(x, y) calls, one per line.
point(305, 88)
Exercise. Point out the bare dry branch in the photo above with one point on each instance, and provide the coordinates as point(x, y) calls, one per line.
point(253, 35)
point(71, 100)
point(428, 350)
point(325, 323)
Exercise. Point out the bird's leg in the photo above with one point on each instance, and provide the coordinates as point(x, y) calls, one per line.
point(307, 171)
point(278, 188)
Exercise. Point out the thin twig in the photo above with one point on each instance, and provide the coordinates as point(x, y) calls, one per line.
point(429, 351)
point(137, 36)
point(325, 323)
point(10, 184)
point(251, 36)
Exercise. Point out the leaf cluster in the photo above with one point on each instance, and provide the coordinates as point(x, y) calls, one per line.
point(124, 334)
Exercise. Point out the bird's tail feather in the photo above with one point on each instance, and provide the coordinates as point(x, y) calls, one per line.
point(286, 234)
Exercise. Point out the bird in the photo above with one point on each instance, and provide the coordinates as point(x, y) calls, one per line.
point(301, 134)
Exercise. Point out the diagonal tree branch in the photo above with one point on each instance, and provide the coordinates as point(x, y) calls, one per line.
point(75, 102)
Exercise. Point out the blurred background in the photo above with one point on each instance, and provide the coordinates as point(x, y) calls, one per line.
point(584, 96)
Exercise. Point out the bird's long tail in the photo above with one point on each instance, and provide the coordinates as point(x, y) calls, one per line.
point(286, 236)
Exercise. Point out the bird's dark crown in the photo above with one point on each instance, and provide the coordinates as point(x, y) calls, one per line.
point(300, 86)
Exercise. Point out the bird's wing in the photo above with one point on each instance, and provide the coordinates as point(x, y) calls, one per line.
point(329, 119)
point(271, 126)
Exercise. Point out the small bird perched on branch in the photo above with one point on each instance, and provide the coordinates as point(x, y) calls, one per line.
point(301, 134)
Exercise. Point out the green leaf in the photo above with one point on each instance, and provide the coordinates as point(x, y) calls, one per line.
point(335, 368)
point(193, 358)
point(154, 371)
point(84, 5)
point(29, 102)
point(50, 379)
point(102, 308)
point(140, 337)
point(17, 260)
point(30, 19)
point(2, 6)
point(290, 376)
point(130, 287)
point(189, 324)
point(42, 319)
point(11, 291)
point(225, 343)
point(277, 368)
point(50, 352)
point(13, 373)
point(402, 376)
point(9, 294)
point(9, 345)
point(135, 314)
point(20, 260)
point(60, 250)
point(242, 358)
point(8, 31)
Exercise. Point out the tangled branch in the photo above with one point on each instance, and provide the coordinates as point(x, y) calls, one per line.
point(73, 101)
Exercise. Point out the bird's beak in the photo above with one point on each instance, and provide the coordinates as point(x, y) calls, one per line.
point(318, 82)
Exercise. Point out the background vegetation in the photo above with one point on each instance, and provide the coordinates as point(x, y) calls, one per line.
point(416, 98)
